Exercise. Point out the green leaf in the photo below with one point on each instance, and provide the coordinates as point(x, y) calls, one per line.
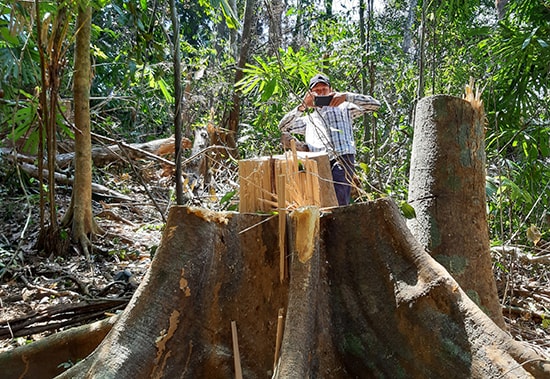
point(364, 167)
point(164, 89)
point(269, 89)
point(407, 210)
point(228, 196)
point(230, 18)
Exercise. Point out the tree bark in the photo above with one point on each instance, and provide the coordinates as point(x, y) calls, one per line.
point(45, 358)
point(79, 216)
point(447, 190)
point(275, 9)
point(178, 100)
point(229, 138)
point(364, 300)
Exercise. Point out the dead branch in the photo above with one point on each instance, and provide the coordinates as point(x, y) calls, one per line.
point(97, 189)
point(516, 252)
point(59, 316)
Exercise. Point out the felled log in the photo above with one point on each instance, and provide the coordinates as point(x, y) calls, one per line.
point(369, 300)
point(112, 152)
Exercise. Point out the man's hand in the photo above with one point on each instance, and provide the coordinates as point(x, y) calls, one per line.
point(308, 101)
point(337, 99)
point(286, 139)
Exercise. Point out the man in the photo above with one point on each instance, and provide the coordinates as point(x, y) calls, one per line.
point(329, 128)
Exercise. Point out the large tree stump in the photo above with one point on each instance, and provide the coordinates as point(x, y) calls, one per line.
point(447, 191)
point(367, 302)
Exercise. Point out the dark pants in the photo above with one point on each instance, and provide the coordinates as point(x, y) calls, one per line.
point(342, 175)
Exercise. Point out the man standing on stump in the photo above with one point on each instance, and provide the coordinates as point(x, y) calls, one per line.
point(329, 127)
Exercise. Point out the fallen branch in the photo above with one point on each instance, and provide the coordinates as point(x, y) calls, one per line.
point(97, 189)
point(102, 155)
point(59, 316)
point(516, 252)
point(524, 312)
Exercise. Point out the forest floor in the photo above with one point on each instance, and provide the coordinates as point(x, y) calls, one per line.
point(41, 294)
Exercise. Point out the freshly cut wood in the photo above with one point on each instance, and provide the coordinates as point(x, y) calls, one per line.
point(307, 176)
point(369, 302)
point(282, 226)
point(257, 190)
point(236, 353)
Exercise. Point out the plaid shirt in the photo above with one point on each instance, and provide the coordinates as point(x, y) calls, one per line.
point(330, 128)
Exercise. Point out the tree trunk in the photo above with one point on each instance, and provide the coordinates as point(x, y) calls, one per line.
point(178, 100)
point(447, 190)
point(408, 32)
point(364, 300)
point(229, 138)
point(51, 48)
point(500, 6)
point(79, 215)
point(275, 9)
point(422, 53)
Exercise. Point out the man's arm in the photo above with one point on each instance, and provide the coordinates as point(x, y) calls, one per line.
point(364, 103)
point(292, 121)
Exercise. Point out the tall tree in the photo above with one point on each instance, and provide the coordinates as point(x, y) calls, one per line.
point(275, 9)
point(178, 99)
point(229, 138)
point(51, 48)
point(79, 216)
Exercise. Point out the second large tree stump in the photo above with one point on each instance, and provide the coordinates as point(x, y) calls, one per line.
point(447, 191)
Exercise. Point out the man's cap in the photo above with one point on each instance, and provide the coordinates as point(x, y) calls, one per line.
point(319, 78)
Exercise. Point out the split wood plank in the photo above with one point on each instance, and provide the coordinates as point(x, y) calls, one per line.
point(236, 353)
point(308, 182)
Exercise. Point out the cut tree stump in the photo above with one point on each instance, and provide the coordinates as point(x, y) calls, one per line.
point(364, 300)
point(307, 181)
point(447, 191)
